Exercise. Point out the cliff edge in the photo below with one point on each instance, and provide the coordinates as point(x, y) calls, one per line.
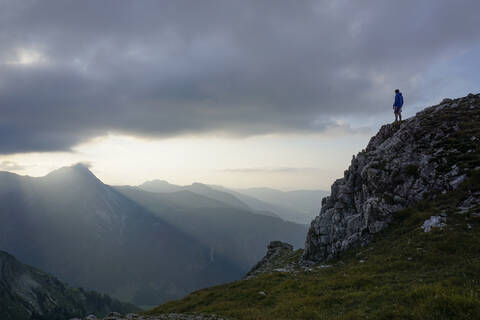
point(403, 164)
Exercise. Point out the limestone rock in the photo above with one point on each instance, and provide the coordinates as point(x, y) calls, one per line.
point(403, 163)
point(434, 222)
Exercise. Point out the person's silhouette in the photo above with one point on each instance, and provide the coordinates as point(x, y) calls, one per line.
point(397, 105)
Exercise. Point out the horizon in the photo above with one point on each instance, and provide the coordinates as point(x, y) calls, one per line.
point(243, 95)
point(87, 166)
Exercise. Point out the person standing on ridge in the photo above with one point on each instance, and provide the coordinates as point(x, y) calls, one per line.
point(397, 105)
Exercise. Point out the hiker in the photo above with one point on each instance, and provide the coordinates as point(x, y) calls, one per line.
point(397, 105)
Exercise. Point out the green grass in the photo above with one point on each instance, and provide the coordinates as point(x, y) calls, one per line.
point(405, 274)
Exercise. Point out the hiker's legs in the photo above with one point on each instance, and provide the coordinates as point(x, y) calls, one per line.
point(398, 113)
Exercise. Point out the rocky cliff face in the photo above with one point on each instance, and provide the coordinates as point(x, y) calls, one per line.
point(403, 164)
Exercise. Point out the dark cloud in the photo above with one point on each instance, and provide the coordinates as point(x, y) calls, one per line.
point(163, 68)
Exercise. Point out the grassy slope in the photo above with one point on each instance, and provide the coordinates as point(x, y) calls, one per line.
point(405, 274)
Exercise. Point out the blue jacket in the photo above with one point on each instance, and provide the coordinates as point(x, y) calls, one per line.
point(398, 100)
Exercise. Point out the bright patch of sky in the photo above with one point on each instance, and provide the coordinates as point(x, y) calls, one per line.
point(26, 57)
point(285, 162)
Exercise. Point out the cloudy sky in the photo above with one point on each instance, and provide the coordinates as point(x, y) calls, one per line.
point(243, 93)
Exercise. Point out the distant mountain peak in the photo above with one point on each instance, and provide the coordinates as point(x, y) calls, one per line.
point(78, 171)
point(158, 181)
point(199, 185)
point(158, 185)
point(79, 167)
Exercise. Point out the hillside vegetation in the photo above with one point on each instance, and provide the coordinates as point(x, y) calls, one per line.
point(405, 273)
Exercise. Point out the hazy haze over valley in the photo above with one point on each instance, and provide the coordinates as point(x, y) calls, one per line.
point(139, 246)
point(299, 206)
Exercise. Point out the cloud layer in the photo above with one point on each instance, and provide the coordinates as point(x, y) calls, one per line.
point(73, 70)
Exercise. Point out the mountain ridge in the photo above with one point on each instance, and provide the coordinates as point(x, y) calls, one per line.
point(59, 224)
point(143, 254)
point(297, 206)
point(233, 232)
point(28, 293)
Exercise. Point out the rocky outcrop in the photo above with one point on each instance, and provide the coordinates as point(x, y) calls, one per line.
point(434, 222)
point(28, 293)
point(403, 164)
point(278, 254)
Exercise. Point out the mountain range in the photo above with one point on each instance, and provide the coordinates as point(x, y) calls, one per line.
point(228, 231)
point(299, 206)
point(139, 246)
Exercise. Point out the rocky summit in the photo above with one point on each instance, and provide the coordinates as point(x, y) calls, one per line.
point(403, 164)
